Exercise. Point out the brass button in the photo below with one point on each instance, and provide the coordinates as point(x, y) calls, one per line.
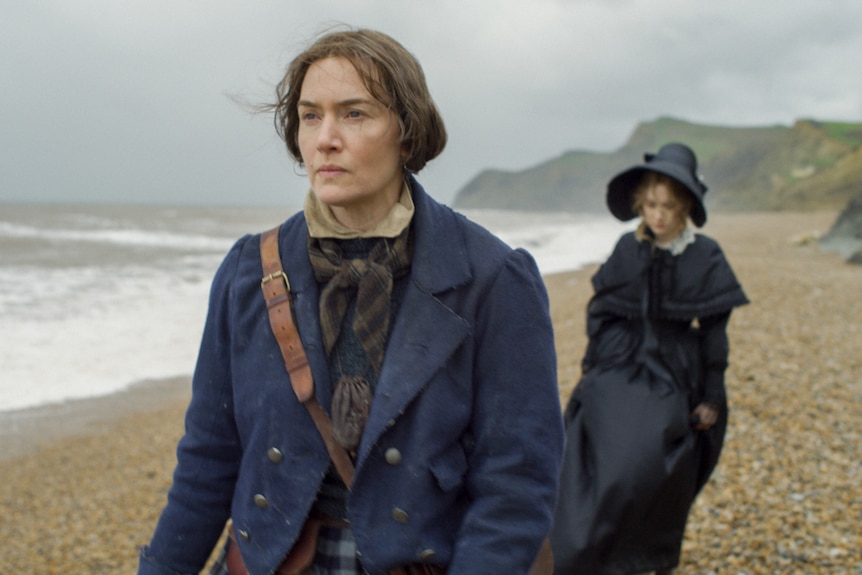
point(243, 534)
point(426, 554)
point(261, 501)
point(399, 515)
point(274, 454)
point(393, 456)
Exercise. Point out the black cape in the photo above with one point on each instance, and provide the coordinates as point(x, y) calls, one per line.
point(633, 462)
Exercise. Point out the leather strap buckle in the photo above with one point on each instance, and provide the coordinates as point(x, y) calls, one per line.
point(275, 276)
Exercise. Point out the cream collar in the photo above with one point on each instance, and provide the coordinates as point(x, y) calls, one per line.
point(322, 223)
point(679, 243)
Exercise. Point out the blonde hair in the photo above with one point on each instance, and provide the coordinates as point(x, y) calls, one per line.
point(390, 73)
point(648, 183)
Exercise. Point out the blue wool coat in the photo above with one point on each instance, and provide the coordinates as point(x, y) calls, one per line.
point(460, 457)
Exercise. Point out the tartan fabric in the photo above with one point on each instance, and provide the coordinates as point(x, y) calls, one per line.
point(336, 554)
point(367, 279)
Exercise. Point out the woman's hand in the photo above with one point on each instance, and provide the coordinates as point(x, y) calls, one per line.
point(704, 416)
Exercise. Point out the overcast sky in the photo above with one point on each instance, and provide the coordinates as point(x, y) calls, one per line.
point(132, 101)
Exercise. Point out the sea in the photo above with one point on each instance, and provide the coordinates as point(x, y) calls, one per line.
point(97, 298)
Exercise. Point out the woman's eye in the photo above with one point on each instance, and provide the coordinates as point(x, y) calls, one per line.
point(354, 114)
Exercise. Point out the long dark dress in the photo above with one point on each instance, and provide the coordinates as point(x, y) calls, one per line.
point(634, 464)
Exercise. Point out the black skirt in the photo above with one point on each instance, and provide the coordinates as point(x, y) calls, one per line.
point(633, 463)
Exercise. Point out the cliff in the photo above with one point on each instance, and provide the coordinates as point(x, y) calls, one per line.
point(810, 165)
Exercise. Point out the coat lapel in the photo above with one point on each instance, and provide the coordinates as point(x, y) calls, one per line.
point(412, 357)
point(426, 332)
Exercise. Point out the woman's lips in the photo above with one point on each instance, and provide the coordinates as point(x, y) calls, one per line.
point(329, 171)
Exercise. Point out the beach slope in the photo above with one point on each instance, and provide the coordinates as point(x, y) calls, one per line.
point(82, 484)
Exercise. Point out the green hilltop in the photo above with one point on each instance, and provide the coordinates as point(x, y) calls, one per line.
point(811, 165)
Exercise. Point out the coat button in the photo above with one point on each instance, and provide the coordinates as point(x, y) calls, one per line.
point(392, 456)
point(399, 515)
point(426, 554)
point(261, 501)
point(275, 455)
point(243, 534)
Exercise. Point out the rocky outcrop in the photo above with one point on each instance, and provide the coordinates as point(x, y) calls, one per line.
point(845, 236)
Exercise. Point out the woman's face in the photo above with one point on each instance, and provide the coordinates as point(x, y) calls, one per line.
point(350, 144)
point(662, 212)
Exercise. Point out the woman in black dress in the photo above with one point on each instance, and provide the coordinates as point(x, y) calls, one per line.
point(646, 422)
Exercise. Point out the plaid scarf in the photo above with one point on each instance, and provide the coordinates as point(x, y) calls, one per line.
point(369, 280)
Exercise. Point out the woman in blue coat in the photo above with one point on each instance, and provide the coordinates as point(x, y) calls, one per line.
point(429, 341)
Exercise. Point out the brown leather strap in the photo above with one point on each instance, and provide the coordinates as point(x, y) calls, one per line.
point(299, 561)
point(338, 455)
point(276, 292)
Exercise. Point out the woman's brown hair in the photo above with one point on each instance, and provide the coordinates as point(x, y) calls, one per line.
point(390, 73)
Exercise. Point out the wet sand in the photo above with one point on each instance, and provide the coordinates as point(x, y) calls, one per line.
point(82, 483)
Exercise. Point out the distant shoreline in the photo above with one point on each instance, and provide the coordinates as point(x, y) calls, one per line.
point(25, 430)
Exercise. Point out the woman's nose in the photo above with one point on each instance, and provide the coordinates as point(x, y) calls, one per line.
point(329, 135)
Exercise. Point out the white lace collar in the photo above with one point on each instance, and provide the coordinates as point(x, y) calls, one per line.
point(682, 241)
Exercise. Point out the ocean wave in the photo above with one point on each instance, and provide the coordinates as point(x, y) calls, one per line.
point(119, 237)
point(93, 299)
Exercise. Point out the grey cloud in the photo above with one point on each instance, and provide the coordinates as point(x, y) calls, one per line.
point(107, 101)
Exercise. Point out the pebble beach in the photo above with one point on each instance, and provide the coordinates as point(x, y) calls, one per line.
point(82, 483)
